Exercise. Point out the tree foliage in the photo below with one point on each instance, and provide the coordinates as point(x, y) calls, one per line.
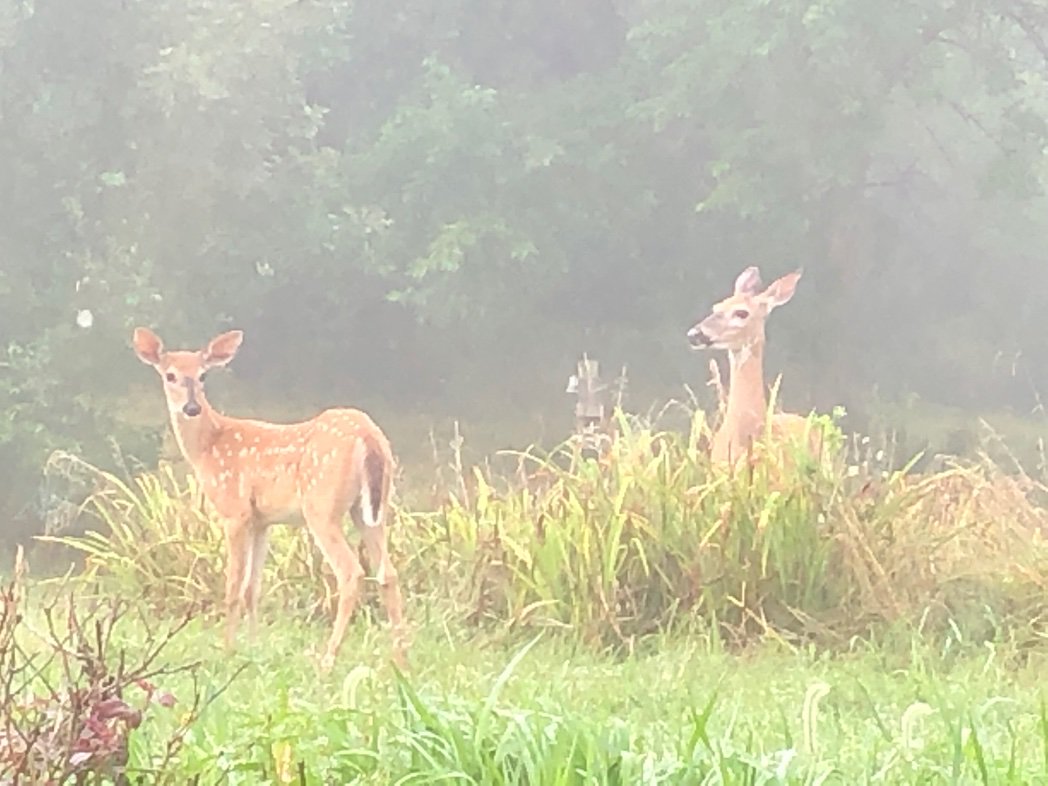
point(433, 201)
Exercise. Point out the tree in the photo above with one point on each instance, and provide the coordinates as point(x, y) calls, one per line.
point(442, 203)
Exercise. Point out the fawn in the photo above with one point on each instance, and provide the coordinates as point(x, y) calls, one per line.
point(255, 473)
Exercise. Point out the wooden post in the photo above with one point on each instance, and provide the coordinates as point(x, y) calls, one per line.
point(590, 406)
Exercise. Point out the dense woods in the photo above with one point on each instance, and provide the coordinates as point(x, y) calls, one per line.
point(432, 208)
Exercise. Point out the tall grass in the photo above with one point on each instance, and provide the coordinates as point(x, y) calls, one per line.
point(152, 537)
point(648, 537)
point(652, 534)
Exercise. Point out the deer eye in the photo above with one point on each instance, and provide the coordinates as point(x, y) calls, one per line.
point(741, 313)
point(170, 376)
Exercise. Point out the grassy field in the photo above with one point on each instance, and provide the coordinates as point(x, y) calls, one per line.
point(496, 707)
point(641, 620)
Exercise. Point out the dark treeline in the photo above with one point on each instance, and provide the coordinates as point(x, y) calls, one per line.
point(432, 208)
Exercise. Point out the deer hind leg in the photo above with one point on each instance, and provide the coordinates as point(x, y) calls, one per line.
point(374, 539)
point(327, 532)
point(251, 591)
point(238, 545)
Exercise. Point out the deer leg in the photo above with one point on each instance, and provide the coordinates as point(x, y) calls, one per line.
point(251, 591)
point(389, 584)
point(327, 532)
point(238, 544)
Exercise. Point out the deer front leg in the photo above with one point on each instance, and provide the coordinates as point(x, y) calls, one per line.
point(238, 544)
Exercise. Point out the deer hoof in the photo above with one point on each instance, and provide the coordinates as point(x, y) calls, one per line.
point(327, 663)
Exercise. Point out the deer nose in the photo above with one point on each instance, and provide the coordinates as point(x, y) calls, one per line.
point(697, 338)
point(192, 407)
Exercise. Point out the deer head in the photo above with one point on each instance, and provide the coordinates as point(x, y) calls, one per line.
point(183, 371)
point(737, 322)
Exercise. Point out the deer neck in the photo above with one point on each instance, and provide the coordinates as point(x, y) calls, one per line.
point(747, 404)
point(196, 435)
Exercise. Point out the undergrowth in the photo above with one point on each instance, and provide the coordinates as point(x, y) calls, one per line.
point(478, 710)
point(652, 534)
point(647, 550)
point(647, 537)
point(151, 536)
point(73, 701)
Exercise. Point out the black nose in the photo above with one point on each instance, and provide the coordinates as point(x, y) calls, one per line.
point(192, 409)
point(697, 338)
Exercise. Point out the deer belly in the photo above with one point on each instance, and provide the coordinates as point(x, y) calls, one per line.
point(276, 499)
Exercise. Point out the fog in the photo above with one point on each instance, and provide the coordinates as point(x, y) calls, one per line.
point(432, 210)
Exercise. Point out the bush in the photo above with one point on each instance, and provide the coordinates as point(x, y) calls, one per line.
point(652, 534)
point(70, 700)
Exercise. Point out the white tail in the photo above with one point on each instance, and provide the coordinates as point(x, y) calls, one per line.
point(255, 473)
point(737, 325)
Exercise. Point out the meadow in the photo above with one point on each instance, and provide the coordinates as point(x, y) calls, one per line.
point(634, 619)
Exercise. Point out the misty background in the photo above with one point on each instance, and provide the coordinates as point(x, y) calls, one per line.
point(431, 209)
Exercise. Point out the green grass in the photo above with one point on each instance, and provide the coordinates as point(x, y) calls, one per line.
point(485, 707)
point(644, 619)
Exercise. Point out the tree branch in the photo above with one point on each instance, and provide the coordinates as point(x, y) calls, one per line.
point(1031, 33)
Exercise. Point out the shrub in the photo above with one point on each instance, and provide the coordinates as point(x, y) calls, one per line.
point(652, 533)
point(70, 700)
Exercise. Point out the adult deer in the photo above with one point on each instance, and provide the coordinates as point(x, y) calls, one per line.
point(255, 473)
point(737, 325)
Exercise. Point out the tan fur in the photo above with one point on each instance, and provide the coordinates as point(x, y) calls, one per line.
point(255, 473)
point(736, 324)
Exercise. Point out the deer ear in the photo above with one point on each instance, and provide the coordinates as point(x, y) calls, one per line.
point(781, 290)
point(749, 281)
point(221, 349)
point(148, 346)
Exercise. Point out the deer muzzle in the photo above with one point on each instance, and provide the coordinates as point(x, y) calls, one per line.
point(698, 338)
point(192, 406)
